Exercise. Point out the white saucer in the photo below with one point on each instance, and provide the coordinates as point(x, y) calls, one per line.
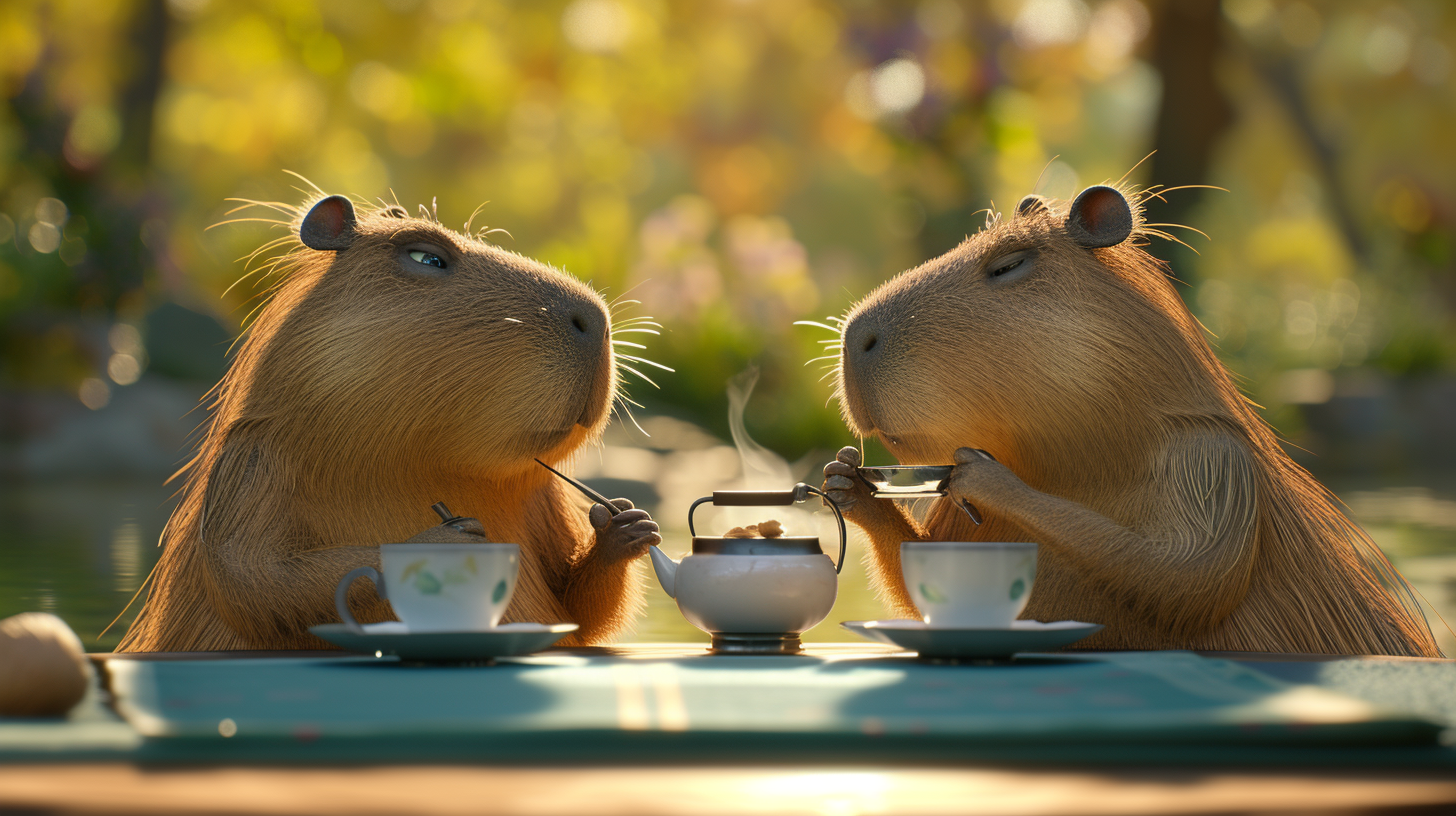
point(954, 642)
point(394, 638)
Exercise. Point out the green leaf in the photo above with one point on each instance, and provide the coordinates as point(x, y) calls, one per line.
point(931, 594)
point(427, 583)
point(1018, 588)
point(414, 567)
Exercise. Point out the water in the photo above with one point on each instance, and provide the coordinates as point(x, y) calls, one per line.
point(81, 549)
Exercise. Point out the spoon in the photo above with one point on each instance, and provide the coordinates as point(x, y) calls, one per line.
point(590, 494)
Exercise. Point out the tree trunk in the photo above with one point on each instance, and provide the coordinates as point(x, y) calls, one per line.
point(1188, 39)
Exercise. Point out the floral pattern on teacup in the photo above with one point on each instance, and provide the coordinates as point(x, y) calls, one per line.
point(427, 583)
point(1017, 588)
point(932, 594)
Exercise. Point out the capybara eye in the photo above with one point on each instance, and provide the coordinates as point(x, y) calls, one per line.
point(427, 258)
point(1007, 265)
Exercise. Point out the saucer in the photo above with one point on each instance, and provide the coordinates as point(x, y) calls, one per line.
point(394, 638)
point(957, 642)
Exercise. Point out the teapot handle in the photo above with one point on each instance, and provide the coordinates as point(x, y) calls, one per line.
point(757, 498)
point(838, 516)
point(764, 498)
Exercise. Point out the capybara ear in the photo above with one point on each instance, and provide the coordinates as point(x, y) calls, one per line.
point(329, 225)
point(1100, 217)
point(1032, 204)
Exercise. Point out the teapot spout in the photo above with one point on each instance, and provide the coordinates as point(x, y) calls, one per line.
point(666, 570)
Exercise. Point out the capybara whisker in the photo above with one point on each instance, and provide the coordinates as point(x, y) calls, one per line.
point(1181, 226)
point(633, 419)
point(471, 219)
point(644, 361)
point(306, 180)
point(644, 377)
point(816, 324)
point(245, 203)
point(1168, 236)
point(613, 302)
point(1130, 170)
point(253, 220)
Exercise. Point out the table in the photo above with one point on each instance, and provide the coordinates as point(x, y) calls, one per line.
point(664, 728)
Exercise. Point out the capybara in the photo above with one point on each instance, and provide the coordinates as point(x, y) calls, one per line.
point(1163, 505)
point(397, 364)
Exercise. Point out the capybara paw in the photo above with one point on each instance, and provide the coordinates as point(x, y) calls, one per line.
point(626, 535)
point(979, 479)
point(843, 484)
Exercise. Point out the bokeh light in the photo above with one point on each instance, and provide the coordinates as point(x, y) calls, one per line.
point(738, 166)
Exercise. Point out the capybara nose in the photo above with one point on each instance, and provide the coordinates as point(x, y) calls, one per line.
point(865, 341)
point(586, 321)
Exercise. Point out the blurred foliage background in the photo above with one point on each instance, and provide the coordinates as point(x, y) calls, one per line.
point(737, 165)
point(741, 164)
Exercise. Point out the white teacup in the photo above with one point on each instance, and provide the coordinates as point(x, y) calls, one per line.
point(969, 584)
point(440, 587)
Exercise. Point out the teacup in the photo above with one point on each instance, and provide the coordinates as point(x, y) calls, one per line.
point(969, 584)
point(440, 587)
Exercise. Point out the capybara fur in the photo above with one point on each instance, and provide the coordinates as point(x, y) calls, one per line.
point(396, 364)
point(44, 671)
point(1163, 505)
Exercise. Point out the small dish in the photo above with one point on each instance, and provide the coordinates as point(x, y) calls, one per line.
point(983, 644)
point(394, 638)
point(907, 481)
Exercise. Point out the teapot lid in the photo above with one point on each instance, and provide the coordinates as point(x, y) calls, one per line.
point(784, 545)
point(756, 498)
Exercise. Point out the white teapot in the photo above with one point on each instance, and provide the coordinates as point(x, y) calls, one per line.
point(753, 595)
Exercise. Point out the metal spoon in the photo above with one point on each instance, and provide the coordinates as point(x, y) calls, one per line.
point(590, 494)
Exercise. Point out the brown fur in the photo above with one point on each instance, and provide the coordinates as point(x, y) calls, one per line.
point(1164, 506)
point(360, 397)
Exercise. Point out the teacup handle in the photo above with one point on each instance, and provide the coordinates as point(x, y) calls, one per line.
point(341, 594)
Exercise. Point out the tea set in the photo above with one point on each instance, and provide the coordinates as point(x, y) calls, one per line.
point(752, 595)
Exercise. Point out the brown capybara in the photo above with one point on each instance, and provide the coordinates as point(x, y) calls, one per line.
point(397, 364)
point(1163, 505)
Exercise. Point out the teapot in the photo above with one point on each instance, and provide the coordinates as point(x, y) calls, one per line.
point(753, 595)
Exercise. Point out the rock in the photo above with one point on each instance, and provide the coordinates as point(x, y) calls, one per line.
point(142, 430)
point(43, 667)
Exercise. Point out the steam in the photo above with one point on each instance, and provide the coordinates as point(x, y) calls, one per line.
point(762, 469)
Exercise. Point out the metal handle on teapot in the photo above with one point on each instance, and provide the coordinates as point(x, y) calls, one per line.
point(766, 498)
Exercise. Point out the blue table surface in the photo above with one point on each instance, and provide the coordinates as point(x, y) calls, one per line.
point(655, 702)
